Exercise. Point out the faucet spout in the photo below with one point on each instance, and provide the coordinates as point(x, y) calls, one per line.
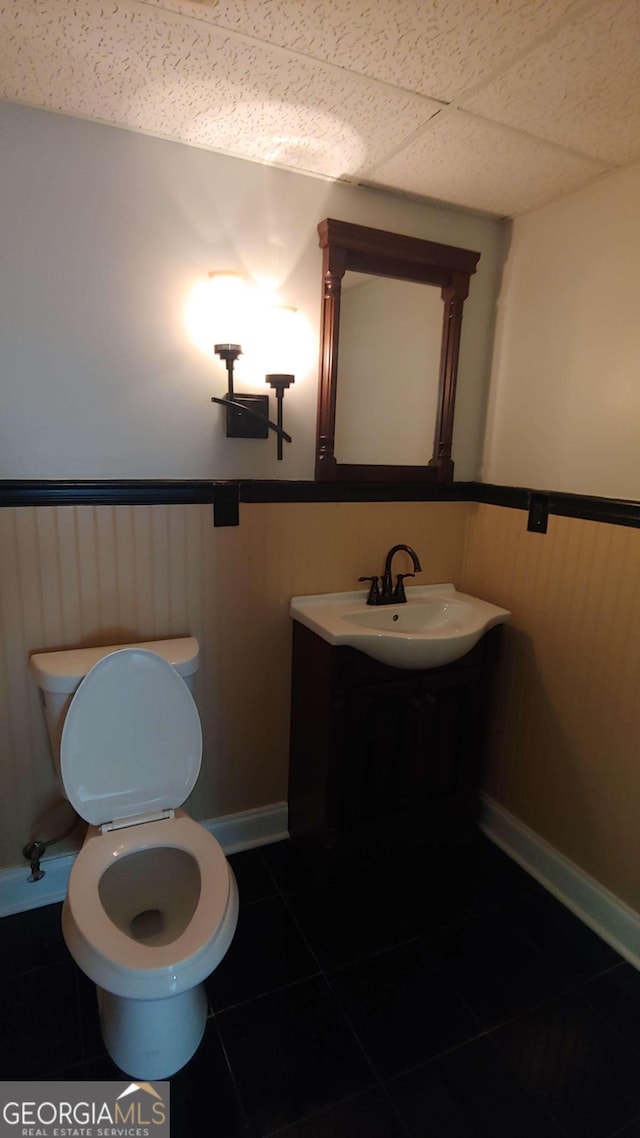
point(387, 587)
point(417, 568)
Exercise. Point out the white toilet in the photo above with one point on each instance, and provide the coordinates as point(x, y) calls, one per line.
point(152, 903)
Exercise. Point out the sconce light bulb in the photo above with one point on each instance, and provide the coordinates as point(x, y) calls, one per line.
point(279, 342)
point(226, 305)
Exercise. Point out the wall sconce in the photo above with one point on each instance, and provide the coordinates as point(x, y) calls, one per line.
point(248, 415)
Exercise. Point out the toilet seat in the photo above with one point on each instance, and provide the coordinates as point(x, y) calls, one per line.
point(123, 965)
point(130, 754)
point(132, 741)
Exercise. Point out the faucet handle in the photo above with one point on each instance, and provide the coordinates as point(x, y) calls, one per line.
point(399, 594)
point(374, 591)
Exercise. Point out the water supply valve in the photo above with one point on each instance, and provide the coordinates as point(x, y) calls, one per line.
point(33, 851)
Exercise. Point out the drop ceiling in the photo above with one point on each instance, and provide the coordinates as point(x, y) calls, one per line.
point(490, 105)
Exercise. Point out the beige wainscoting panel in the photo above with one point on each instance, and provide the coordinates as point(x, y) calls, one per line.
point(73, 576)
point(565, 746)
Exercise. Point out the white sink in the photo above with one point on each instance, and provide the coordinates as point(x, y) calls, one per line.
point(436, 626)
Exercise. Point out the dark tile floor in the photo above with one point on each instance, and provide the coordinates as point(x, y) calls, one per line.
point(446, 997)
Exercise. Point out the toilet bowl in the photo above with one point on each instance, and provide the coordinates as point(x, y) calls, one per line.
point(152, 903)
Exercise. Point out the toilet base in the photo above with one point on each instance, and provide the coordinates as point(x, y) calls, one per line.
point(152, 1039)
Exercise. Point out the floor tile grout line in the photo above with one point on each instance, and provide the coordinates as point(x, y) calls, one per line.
point(547, 959)
point(367, 1058)
point(293, 916)
point(22, 973)
point(258, 900)
point(412, 937)
point(323, 974)
point(281, 894)
point(81, 1025)
point(573, 989)
point(383, 1079)
point(500, 1049)
point(262, 995)
point(501, 907)
point(568, 986)
point(324, 1110)
point(622, 1130)
point(48, 1075)
point(482, 1032)
point(365, 957)
point(234, 1081)
point(603, 1016)
point(359, 959)
point(534, 1098)
point(571, 986)
point(485, 1033)
point(280, 987)
point(376, 1081)
point(396, 1110)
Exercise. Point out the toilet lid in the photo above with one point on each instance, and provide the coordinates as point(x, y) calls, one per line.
point(132, 741)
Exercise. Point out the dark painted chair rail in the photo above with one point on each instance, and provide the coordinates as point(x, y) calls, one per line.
point(225, 496)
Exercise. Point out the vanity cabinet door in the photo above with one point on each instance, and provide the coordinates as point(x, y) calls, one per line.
point(450, 734)
point(409, 762)
point(381, 727)
point(383, 758)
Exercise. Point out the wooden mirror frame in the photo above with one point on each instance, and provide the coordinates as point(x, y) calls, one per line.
point(378, 253)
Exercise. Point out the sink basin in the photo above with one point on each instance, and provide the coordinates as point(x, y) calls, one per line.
point(436, 626)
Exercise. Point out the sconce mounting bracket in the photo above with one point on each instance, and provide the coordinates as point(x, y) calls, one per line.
point(242, 426)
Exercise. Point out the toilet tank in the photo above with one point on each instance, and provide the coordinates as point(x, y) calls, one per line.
point(58, 674)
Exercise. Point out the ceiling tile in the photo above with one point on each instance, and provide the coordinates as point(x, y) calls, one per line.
point(199, 72)
point(150, 70)
point(470, 162)
point(582, 89)
point(436, 47)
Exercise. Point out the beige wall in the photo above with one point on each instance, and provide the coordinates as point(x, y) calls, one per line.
point(97, 575)
point(564, 750)
point(564, 415)
point(565, 398)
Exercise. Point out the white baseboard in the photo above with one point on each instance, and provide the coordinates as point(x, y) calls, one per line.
point(605, 913)
point(251, 828)
point(18, 894)
point(601, 910)
point(235, 832)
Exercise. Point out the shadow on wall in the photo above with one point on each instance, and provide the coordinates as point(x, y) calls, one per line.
point(117, 635)
point(533, 768)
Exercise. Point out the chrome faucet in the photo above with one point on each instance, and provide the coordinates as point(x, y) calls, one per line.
point(388, 595)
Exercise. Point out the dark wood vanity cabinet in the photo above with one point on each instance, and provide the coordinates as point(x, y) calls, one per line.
point(384, 758)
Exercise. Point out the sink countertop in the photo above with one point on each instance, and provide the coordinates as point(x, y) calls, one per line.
point(435, 626)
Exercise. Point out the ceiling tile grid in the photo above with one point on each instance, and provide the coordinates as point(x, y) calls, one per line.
point(462, 158)
point(493, 105)
point(434, 47)
point(581, 89)
point(149, 70)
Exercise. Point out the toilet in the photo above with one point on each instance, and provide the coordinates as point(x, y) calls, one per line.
point(152, 903)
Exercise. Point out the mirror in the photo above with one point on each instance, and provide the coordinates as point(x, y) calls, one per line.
point(389, 354)
point(389, 343)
